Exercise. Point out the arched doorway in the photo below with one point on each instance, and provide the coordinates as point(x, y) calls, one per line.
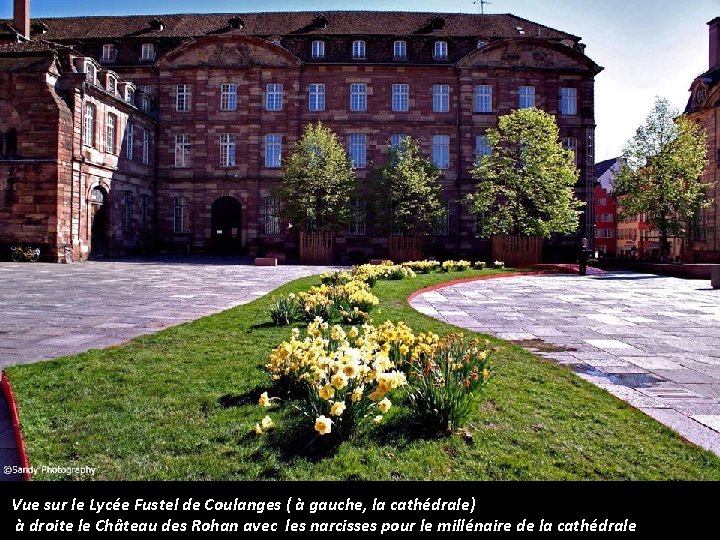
point(226, 223)
point(98, 223)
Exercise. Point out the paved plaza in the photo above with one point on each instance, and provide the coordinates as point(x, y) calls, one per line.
point(652, 341)
point(52, 310)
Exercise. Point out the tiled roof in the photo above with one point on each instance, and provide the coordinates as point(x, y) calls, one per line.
point(39, 45)
point(603, 166)
point(301, 23)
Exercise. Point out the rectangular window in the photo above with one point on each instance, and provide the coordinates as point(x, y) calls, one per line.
point(358, 97)
point(358, 145)
point(482, 146)
point(400, 93)
point(272, 215)
point(395, 139)
point(441, 97)
point(182, 97)
point(129, 95)
point(273, 150)
point(483, 98)
point(110, 131)
point(144, 103)
point(526, 97)
point(358, 49)
point(274, 97)
point(144, 211)
point(606, 217)
point(228, 97)
point(480, 225)
point(108, 53)
point(316, 97)
point(441, 227)
point(127, 211)
point(570, 143)
point(227, 150)
point(129, 140)
point(441, 151)
point(180, 215)
point(89, 125)
point(356, 227)
point(440, 51)
point(182, 150)
point(568, 101)
point(602, 201)
point(400, 50)
point(317, 49)
point(146, 147)
point(148, 51)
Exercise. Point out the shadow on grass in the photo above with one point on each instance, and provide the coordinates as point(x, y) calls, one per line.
point(229, 401)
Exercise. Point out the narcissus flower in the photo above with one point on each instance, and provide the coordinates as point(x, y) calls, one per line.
point(264, 400)
point(357, 394)
point(337, 408)
point(378, 419)
point(267, 423)
point(326, 392)
point(339, 381)
point(258, 429)
point(323, 425)
point(384, 405)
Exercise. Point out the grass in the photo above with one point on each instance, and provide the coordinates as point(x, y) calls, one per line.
point(181, 404)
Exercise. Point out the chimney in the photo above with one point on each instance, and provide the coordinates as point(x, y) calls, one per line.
point(714, 42)
point(22, 17)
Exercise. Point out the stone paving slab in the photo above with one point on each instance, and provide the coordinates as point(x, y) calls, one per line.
point(650, 340)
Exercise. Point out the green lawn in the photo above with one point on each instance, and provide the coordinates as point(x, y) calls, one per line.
point(181, 404)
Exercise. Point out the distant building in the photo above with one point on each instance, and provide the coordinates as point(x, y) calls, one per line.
point(703, 243)
point(119, 134)
point(605, 208)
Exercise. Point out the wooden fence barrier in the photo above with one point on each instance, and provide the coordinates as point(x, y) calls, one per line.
point(316, 247)
point(405, 248)
point(517, 251)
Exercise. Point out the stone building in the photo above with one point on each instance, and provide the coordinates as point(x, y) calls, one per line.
point(224, 96)
point(703, 245)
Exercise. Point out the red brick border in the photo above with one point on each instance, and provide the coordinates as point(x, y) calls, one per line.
point(10, 397)
point(476, 278)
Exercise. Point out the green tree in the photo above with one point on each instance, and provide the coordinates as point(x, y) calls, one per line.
point(318, 181)
point(525, 186)
point(407, 188)
point(661, 172)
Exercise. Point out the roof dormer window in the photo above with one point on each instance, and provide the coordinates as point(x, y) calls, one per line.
point(437, 23)
point(111, 85)
point(400, 50)
point(317, 49)
point(440, 50)
point(147, 52)
point(358, 49)
point(109, 52)
point(236, 23)
point(90, 72)
point(156, 25)
point(320, 22)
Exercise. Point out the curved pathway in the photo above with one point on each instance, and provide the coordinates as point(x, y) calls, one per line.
point(652, 341)
point(51, 310)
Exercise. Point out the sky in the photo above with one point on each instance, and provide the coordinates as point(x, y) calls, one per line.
point(648, 47)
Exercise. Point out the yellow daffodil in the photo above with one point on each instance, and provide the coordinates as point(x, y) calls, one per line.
point(326, 392)
point(323, 425)
point(384, 405)
point(258, 430)
point(267, 423)
point(264, 400)
point(337, 409)
point(339, 381)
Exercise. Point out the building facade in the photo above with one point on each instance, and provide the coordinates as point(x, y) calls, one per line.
point(703, 243)
point(223, 97)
